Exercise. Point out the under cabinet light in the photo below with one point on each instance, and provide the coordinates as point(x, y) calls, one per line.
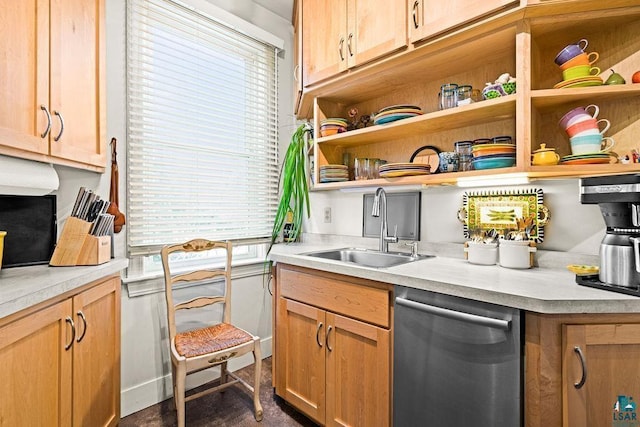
point(387, 188)
point(493, 180)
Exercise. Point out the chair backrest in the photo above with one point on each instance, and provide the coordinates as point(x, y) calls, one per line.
point(200, 275)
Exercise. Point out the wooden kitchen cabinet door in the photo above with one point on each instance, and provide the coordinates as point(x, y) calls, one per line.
point(358, 373)
point(24, 75)
point(434, 17)
point(96, 355)
point(36, 373)
point(607, 358)
point(300, 348)
point(78, 81)
point(324, 38)
point(375, 28)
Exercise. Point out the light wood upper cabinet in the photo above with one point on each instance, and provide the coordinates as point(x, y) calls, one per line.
point(54, 106)
point(61, 363)
point(601, 374)
point(340, 34)
point(430, 17)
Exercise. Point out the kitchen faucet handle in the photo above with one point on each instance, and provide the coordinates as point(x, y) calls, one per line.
point(414, 247)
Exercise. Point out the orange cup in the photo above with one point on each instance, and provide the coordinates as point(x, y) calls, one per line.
point(582, 59)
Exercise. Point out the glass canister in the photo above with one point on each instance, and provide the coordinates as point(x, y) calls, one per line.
point(465, 155)
point(448, 96)
point(464, 95)
point(362, 168)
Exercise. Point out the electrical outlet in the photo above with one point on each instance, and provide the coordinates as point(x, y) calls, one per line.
point(327, 215)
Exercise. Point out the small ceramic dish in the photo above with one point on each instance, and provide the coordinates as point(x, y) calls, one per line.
point(583, 270)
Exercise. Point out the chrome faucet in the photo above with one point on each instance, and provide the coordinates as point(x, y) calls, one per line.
point(380, 203)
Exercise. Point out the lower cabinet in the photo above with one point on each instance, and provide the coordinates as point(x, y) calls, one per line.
point(334, 368)
point(61, 362)
point(582, 370)
point(601, 375)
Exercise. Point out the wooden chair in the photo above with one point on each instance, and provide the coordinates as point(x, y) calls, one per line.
point(202, 348)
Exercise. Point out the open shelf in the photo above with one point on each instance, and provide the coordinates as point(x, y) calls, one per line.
point(467, 115)
point(548, 99)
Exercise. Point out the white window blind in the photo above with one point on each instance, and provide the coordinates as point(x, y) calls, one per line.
point(202, 129)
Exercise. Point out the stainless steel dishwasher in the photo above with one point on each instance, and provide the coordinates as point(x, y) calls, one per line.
point(457, 362)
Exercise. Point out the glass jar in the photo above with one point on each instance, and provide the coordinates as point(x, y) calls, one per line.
point(465, 154)
point(464, 94)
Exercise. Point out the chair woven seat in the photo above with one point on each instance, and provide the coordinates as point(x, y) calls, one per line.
point(211, 339)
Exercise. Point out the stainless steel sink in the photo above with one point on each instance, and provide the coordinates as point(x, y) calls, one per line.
point(368, 258)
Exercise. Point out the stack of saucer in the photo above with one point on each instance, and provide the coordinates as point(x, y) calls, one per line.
point(393, 170)
point(577, 66)
point(334, 173)
point(332, 126)
point(396, 112)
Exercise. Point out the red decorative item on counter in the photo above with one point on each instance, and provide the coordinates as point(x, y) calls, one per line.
point(119, 219)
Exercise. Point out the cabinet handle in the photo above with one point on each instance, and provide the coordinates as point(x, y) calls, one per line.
point(327, 338)
point(583, 362)
point(296, 72)
point(318, 334)
point(84, 325)
point(69, 320)
point(340, 47)
point(415, 14)
point(46, 131)
point(349, 44)
point(57, 138)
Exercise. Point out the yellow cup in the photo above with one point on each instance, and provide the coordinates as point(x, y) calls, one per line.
point(2, 234)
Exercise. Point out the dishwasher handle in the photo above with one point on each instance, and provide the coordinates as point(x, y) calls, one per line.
point(490, 322)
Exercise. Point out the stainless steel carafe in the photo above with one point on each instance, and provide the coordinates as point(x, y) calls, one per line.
point(618, 260)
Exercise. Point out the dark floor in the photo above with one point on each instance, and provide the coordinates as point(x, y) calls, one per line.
point(234, 407)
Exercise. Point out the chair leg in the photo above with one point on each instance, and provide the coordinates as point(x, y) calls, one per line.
point(179, 393)
point(223, 374)
point(257, 357)
point(173, 381)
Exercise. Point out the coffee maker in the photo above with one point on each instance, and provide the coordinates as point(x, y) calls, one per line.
point(619, 199)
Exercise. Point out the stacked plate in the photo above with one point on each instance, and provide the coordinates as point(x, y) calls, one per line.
point(396, 112)
point(580, 82)
point(393, 170)
point(333, 126)
point(334, 173)
point(492, 156)
point(586, 159)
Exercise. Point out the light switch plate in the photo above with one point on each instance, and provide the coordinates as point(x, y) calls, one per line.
point(403, 209)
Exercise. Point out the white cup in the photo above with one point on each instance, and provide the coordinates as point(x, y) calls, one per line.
point(482, 253)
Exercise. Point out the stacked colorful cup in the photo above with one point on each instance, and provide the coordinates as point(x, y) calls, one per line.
point(586, 131)
point(577, 66)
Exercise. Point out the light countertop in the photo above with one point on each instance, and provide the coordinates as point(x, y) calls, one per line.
point(542, 290)
point(23, 287)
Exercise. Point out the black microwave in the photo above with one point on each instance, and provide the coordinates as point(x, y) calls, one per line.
point(31, 226)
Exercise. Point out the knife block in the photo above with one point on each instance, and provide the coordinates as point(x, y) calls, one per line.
point(77, 247)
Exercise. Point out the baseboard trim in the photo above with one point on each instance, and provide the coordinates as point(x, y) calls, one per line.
point(155, 391)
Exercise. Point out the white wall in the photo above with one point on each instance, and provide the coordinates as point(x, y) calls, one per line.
point(573, 227)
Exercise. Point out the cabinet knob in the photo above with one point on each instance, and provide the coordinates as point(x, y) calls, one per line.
point(318, 334)
point(69, 320)
point(414, 13)
point(57, 138)
point(583, 362)
point(84, 325)
point(46, 131)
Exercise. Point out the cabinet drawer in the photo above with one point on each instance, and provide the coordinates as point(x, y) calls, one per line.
point(350, 299)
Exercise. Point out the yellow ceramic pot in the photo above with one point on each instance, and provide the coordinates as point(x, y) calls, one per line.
point(545, 156)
